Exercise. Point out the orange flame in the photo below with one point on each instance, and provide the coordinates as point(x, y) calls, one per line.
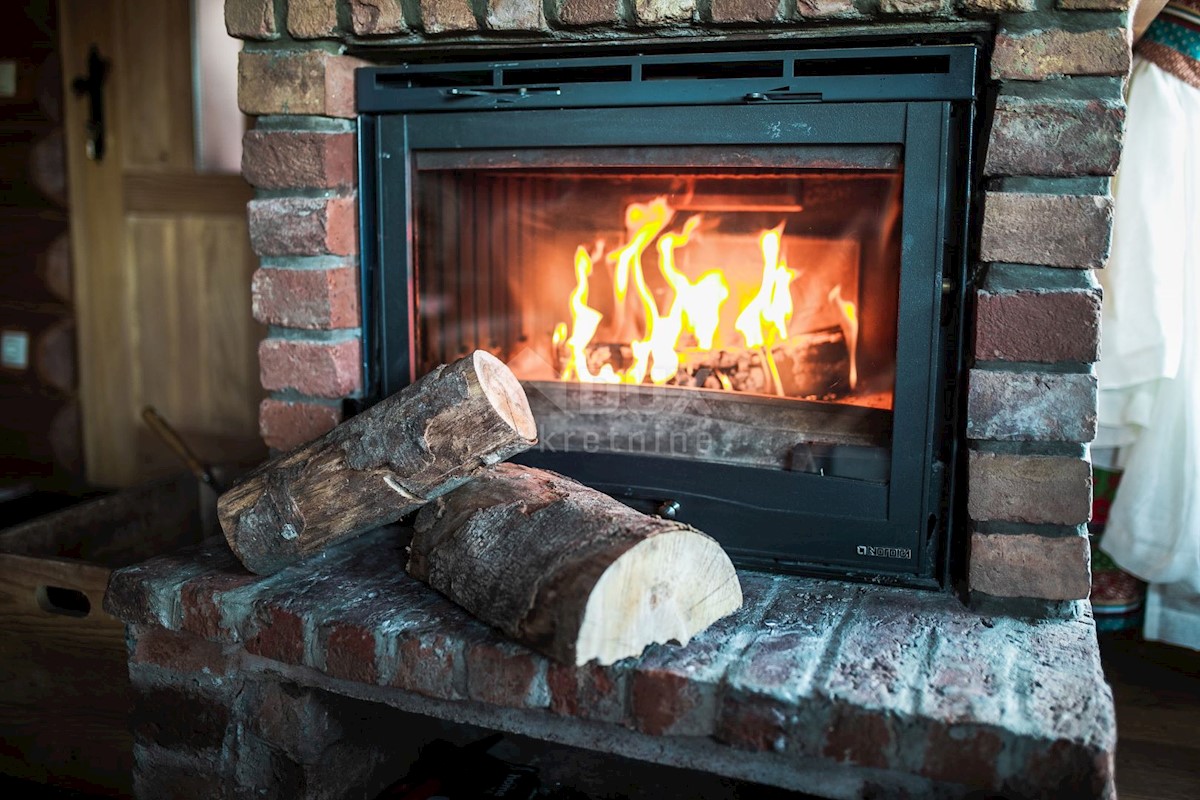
point(848, 319)
point(585, 320)
point(773, 303)
point(762, 322)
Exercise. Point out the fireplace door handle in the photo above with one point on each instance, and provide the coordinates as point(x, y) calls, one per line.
point(783, 97)
point(91, 86)
point(503, 94)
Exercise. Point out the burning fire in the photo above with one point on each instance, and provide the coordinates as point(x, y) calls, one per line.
point(656, 341)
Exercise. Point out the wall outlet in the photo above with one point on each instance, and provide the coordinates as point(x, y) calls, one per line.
point(14, 349)
point(8, 78)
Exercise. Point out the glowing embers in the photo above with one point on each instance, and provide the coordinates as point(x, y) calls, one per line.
point(762, 349)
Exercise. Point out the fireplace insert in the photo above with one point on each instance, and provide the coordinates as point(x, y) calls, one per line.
point(731, 283)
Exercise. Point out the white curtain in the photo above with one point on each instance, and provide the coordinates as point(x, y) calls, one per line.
point(1149, 372)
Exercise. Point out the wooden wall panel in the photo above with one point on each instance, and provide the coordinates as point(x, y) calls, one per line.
point(220, 255)
point(194, 326)
point(162, 256)
point(155, 75)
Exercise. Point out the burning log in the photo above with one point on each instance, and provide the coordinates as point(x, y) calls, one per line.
point(815, 366)
point(567, 570)
point(380, 465)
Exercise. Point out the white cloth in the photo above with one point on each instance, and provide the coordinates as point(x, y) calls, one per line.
point(1149, 372)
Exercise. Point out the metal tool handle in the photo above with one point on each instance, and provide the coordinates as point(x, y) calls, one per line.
point(179, 447)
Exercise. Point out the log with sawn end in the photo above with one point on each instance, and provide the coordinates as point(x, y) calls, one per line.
point(380, 465)
point(567, 570)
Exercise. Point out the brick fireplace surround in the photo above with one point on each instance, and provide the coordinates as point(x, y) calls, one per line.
point(251, 684)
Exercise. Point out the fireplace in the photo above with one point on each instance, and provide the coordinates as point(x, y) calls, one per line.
point(730, 282)
point(838, 689)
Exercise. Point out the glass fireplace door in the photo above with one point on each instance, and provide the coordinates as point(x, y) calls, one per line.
point(727, 314)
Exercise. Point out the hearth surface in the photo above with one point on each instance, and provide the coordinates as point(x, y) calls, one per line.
point(817, 686)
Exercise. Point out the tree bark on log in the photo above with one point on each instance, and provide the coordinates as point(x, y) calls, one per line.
point(567, 570)
point(378, 466)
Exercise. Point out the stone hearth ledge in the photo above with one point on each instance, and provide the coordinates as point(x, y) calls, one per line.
point(835, 689)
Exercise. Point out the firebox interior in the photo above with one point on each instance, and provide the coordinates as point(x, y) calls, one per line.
point(728, 283)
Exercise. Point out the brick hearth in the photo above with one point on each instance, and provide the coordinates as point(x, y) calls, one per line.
point(835, 689)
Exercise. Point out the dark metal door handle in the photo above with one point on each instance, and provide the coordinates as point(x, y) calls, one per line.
point(91, 86)
point(783, 97)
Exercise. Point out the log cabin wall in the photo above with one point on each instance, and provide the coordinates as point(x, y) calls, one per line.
point(39, 440)
point(1053, 117)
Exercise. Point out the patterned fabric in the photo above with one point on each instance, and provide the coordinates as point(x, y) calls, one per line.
point(1172, 42)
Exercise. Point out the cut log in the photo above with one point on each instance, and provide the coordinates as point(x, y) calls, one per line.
point(567, 570)
point(698, 424)
point(378, 466)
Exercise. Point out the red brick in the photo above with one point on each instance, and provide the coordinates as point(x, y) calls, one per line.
point(1038, 54)
point(1026, 488)
point(505, 674)
point(286, 425)
point(825, 9)
point(148, 593)
point(910, 7)
point(658, 12)
point(745, 10)
point(260, 764)
point(304, 226)
point(859, 736)
point(291, 82)
point(670, 703)
point(1055, 230)
point(443, 16)
point(174, 773)
point(317, 299)
point(293, 718)
point(279, 635)
point(350, 654)
point(431, 663)
point(179, 652)
point(1055, 137)
point(1042, 326)
point(963, 754)
point(589, 12)
point(298, 159)
point(312, 19)
point(514, 15)
point(994, 7)
point(178, 718)
point(589, 692)
point(1071, 771)
point(752, 722)
point(202, 599)
point(1031, 406)
point(319, 369)
point(251, 19)
point(377, 17)
point(1028, 565)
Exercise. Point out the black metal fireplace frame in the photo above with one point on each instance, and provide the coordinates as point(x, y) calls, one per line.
point(919, 98)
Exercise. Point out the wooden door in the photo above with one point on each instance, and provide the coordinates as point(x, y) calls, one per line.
point(162, 255)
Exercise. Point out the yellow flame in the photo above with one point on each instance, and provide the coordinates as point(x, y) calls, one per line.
point(695, 307)
point(584, 322)
point(848, 320)
point(773, 303)
point(643, 221)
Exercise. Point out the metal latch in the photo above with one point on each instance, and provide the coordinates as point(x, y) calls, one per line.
point(783, 97)
point(502, 94)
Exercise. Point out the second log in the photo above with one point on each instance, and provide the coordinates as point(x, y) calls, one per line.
point(380, 465)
